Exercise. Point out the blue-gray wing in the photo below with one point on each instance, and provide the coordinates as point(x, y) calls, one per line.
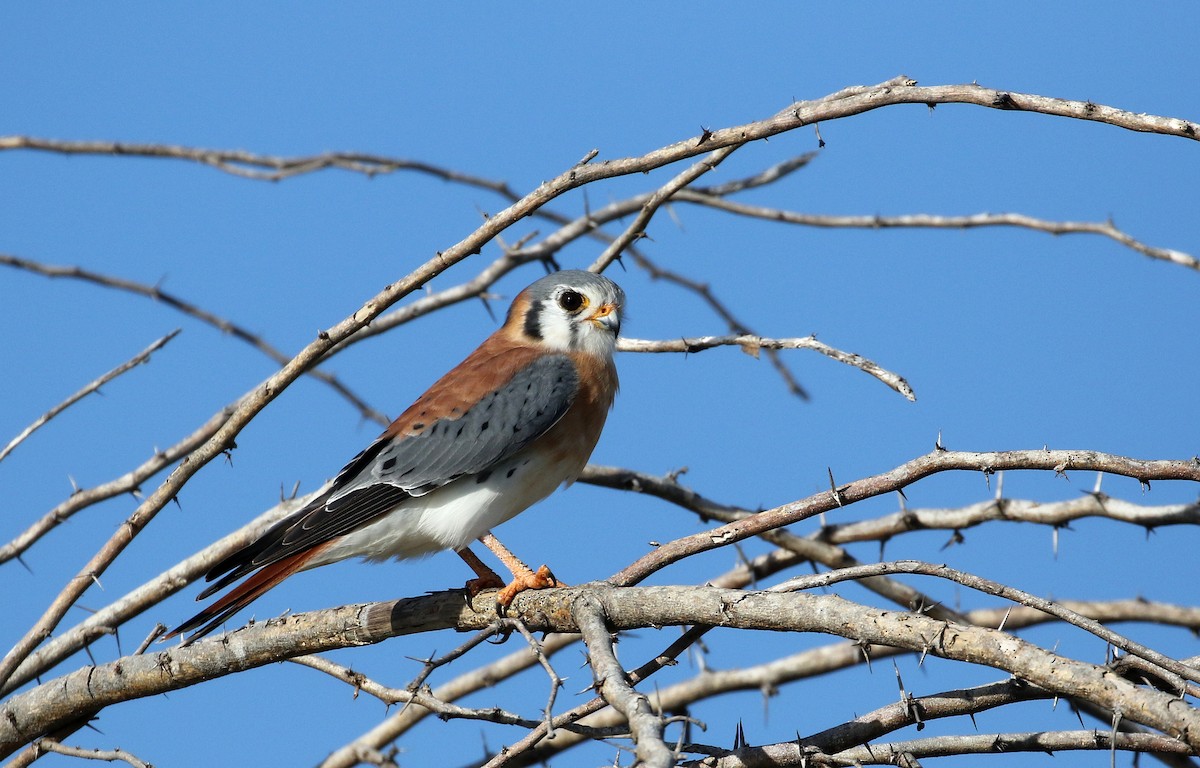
point(503, 422)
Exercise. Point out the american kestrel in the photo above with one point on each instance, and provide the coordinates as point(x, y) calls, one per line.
point(498, 433)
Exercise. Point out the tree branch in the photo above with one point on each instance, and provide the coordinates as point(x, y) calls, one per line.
point(902, 476)
point(94, 386)
point(611, 682)
point(750, 344)
point(928, 221)
point(30, 714)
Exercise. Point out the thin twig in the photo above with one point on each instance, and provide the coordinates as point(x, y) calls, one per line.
point(133, 362)
point(47, 744)
point(156, 293)
point(486, 676)
point(254, 166)
point(929, 221)
point(637, 228)
point(736, 326)
point(422, 698)
point(130, 482)
point(751, 344)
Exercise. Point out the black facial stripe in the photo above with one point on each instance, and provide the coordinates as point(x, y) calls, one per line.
point(533, 328)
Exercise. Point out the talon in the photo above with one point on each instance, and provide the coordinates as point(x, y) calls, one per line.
point(542, 579)
point(482, 584)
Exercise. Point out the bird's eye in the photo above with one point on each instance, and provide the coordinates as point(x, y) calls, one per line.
point(571, 301)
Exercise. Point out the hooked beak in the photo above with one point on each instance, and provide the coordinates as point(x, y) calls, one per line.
point(607, 317)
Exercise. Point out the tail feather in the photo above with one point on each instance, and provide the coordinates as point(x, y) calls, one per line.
point(240, 596)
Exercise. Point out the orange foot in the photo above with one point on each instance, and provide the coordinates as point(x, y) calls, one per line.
point(527, 579)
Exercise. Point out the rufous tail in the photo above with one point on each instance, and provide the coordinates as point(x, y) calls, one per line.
point(240, 596)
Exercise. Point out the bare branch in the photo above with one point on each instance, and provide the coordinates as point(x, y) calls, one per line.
point(107, 619)
point(833, 657)
point(906, 753)
point(41, 709)
point(389, 695)
point(898, 478)
point(130, 482)
point(1052, 513)
point(706, 294)
point(198, 313)
point(751, 344)
point(253, 166)
point(613, 685)
point(928, 221)
point(812, 548)
point(637, 228)
point(483, 677)
point(763, 178)
point(136, 360)
point(993, 588)
point(845, 103)
point(47, 744)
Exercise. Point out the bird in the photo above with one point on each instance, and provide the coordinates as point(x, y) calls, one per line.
point(499, 432)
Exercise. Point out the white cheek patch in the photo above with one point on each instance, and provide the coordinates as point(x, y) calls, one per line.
point(556, 330)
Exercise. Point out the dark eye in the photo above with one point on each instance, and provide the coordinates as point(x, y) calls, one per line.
point(570, 300)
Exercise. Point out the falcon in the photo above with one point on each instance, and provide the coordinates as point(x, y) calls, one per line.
point(505, 427)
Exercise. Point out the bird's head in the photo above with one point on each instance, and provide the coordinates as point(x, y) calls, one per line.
point(570, 311)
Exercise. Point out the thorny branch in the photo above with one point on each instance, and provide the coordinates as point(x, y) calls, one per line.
point(157, 293)
point(49, 705)
point(928, 221)
point(94, 386)
point(897, 479)
point(823, 660)
point(844, 103)
point(613, 685)
point(751, 344)
point(907, 753)
point(47, 744)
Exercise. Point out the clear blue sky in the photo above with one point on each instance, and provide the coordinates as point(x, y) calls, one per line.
point(1012, 339)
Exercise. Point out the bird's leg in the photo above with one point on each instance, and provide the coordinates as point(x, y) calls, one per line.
point(523, 577)
point(487, 578)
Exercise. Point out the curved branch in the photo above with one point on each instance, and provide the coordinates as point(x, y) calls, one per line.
point(106, 620)
point(129, 482)
point(990, 587)
point(844, 103)
point(751, 344)
point(706, 294)
point(254, 166)
point(637, 228)
point(94, 386)
point(902, 476)
point(156, 293)
point(928, 221)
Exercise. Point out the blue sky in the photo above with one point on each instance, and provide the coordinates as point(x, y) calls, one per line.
point(1011, 339)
